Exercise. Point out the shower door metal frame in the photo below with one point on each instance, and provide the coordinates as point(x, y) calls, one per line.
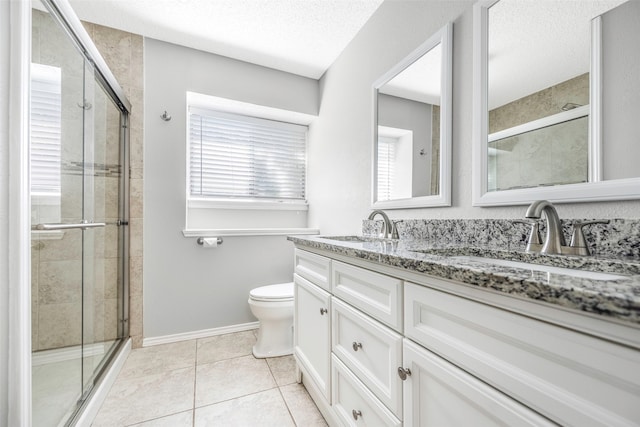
point(18, 245)
point(61, 10)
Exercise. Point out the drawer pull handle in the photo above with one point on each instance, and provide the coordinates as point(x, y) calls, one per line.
point(404, 373)
point(356, 345)
point(323, 311)
point(356, 414)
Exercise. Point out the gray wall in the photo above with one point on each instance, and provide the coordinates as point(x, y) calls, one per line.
point(4, 212)
point(342, 136)
point(416, 116)
point(621, 91)
point(187, 288)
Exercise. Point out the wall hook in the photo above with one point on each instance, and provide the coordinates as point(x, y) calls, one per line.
point(166, 117)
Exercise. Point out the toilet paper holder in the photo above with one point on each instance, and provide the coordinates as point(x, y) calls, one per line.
point(200, 240)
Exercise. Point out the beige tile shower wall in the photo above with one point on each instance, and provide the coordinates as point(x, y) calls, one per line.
point(57, 257)
point(123, 53)
point(540, 104)
point(541, 157)
point(435, 150)
point(57, 265)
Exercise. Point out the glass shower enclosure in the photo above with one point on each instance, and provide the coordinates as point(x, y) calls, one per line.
point(79, 217)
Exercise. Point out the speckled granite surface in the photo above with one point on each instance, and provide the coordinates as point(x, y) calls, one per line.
point(447, 257)
point(619, 238)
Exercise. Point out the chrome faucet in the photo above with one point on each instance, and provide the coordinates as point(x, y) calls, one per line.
point(389, 230)
point(554, 240)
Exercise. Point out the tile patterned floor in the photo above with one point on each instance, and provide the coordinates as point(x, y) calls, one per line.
point(206, 382)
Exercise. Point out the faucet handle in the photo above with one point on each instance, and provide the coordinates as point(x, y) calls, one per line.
point(394, 230)
point(577, 236)
point(534, 235)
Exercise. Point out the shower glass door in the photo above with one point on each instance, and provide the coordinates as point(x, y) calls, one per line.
point(78, 240)
point(102, 247)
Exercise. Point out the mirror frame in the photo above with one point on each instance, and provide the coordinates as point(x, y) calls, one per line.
point(444, 37)
point(594, 190)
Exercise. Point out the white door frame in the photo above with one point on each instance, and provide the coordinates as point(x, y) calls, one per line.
point(19, 226)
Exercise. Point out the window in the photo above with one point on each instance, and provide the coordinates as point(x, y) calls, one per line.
point(46, 130)
point(395, 164)
point(386, 161)
point(233, 157)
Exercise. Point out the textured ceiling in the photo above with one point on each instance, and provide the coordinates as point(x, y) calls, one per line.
point(303, 37)
point(535, 44)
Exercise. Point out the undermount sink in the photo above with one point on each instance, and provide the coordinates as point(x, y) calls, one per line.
point(594, 275)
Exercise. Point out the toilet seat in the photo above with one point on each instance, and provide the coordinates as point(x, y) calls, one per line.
point(279, 292)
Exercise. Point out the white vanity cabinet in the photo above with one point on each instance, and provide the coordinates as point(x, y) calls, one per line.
point(404, 348)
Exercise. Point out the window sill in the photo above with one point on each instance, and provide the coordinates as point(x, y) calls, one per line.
point(248, 232)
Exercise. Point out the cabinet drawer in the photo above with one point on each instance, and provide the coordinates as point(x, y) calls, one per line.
point(353, 404)
point(314, 268)
point(371, 350)
point(377, 295)
point(571, 378)
point(438, 393)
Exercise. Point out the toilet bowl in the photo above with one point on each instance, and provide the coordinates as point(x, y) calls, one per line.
point(273, 306)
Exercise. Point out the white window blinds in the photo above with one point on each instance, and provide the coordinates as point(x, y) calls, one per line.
point(386, 162)
point(240, 157)
point(46, 129)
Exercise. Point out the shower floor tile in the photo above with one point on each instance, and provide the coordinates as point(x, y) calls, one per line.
point(208, 381)
point(55, 388)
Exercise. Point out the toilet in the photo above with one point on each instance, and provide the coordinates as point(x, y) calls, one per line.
point(273, 306)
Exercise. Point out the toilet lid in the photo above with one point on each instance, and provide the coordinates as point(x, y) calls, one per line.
point(279, 292)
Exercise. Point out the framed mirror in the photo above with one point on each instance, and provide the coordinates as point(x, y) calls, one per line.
point(412, 128)
point(556, 101)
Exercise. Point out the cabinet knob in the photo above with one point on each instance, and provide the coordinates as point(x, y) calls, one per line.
point(356, 345)
point(356, 414)
point(404, 373)
point(323, 311)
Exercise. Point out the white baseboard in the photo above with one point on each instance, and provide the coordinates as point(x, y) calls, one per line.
point(100, 393)
point(204, 333)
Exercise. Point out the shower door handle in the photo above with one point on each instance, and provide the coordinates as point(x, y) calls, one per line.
point(82, 225)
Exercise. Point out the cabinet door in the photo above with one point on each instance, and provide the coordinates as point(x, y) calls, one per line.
point(312, 332)
point(437, 393)
point(571, 378)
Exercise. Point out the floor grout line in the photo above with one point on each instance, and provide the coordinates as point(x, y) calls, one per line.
point(272, 367)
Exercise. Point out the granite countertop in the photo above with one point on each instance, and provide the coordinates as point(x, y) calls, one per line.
point(617, 299)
